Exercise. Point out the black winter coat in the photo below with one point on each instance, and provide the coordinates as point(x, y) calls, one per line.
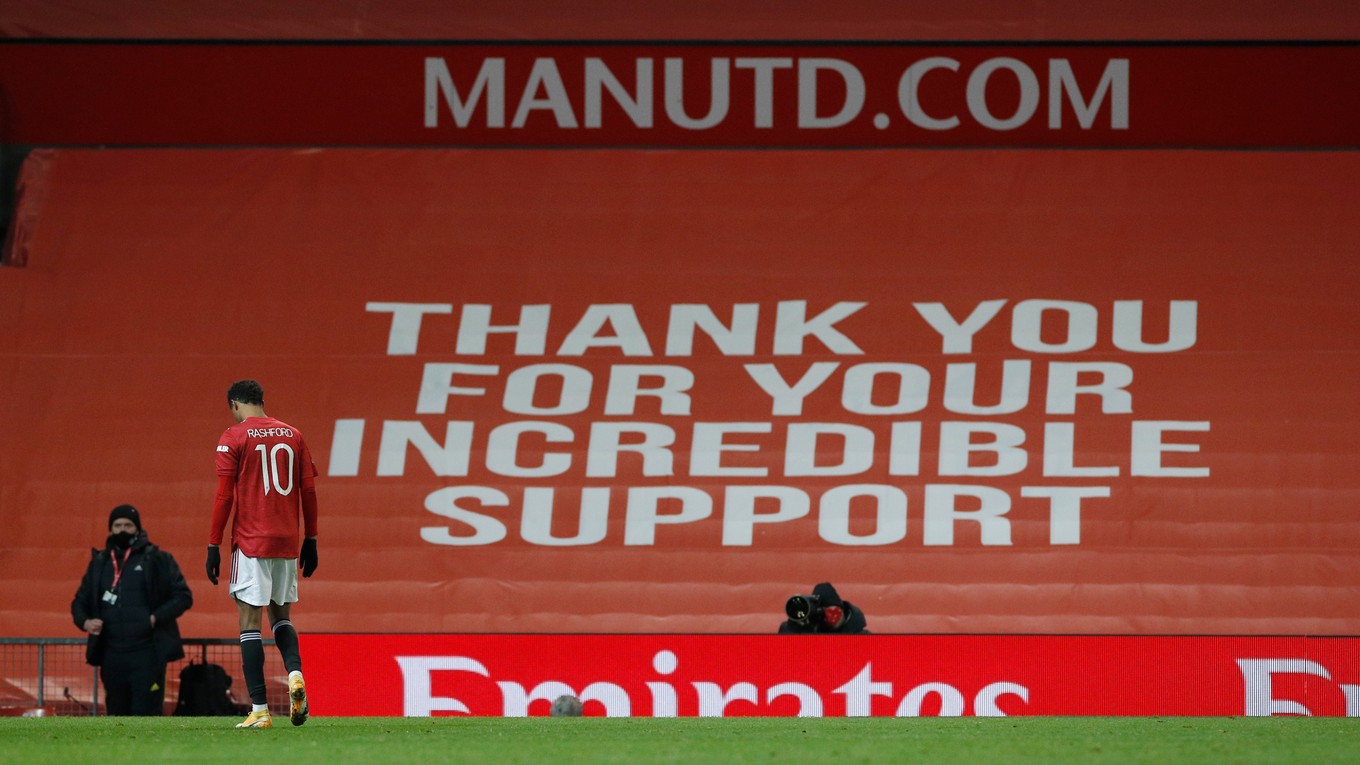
point(167, 594)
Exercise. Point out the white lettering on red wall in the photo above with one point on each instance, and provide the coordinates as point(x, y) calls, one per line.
point(836, 432)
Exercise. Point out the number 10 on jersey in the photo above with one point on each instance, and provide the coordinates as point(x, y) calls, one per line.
point(270, 474)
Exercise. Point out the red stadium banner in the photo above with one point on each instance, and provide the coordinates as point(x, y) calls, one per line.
point(815, 676)
point(719, 94)
point(661, 391)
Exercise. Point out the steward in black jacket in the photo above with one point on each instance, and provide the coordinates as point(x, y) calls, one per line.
point(129, 602)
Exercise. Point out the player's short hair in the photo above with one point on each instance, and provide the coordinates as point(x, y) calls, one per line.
point(246, 392)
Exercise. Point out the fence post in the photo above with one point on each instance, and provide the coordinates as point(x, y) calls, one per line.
point(42, 672)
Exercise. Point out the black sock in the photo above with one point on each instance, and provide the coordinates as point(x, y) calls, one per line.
point(286, 638)
point(252, 665)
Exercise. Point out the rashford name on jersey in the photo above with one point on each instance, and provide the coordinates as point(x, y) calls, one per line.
point(269, 432)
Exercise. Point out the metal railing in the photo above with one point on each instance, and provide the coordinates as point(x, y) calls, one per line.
point(49, 676)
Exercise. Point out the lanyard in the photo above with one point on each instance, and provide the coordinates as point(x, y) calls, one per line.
point(117, 570)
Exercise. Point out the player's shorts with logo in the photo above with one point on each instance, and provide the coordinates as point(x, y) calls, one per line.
point(260, 581)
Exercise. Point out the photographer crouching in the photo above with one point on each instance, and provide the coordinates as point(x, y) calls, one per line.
point(823, 612)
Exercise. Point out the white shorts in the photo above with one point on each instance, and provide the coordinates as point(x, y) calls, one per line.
point(260, 581)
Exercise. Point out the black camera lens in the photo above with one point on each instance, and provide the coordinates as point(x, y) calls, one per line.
point(802, 608)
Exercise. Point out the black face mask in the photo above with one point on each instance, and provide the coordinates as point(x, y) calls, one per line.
point(121, 540)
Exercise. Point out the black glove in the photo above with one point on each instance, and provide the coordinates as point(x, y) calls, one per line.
point(214, 565)
point(307, 558)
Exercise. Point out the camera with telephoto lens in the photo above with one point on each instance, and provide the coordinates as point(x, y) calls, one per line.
point(804, 609)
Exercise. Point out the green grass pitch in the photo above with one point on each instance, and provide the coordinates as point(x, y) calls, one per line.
point(539, 740)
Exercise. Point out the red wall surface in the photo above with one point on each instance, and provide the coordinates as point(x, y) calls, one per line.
point(689, 19)
point(1074, 427)
point(1146, 428)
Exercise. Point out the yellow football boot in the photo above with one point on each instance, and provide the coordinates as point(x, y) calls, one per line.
point(297, 699)
point(260, 719)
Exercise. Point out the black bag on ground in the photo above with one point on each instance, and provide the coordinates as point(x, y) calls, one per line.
point(204, 691)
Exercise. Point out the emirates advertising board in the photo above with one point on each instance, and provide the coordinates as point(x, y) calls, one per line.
point(816, 676)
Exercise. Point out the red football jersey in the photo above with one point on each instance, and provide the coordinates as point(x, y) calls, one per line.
point(270, 462)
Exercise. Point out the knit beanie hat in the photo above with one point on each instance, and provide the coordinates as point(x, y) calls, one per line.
point(125, 511)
